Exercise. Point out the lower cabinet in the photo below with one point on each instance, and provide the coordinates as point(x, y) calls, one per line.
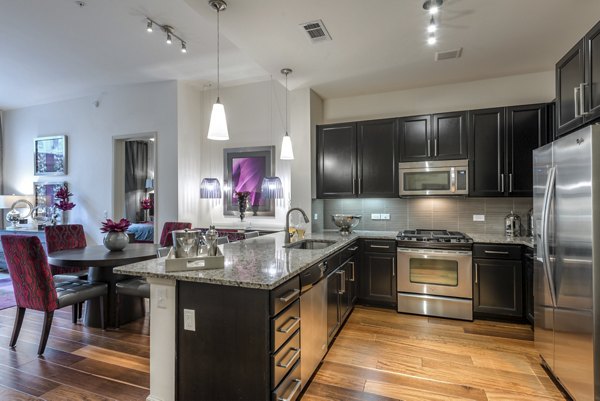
point(498, 281)
point(528, 268)
point(378, 284)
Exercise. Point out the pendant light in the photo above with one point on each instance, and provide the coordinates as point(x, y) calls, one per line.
point(287, 153)
point(210, 188)
point(272, 188)
point(217, 128)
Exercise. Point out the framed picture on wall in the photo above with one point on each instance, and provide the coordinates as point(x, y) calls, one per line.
point(45, 193)
point(50, 155)
point(244, 170)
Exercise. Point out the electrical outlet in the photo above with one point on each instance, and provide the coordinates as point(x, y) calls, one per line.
point(316, 217)
point(385, 216)
point(189, 319)
point(479, 217)
point(375, 216)
point(161, 294)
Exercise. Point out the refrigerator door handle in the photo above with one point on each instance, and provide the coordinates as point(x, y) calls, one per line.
point(548, 196)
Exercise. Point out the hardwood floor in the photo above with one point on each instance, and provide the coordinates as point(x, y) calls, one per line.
point(379, 355)
point(383, 355)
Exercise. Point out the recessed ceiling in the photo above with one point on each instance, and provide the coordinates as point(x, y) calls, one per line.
point(53, 50)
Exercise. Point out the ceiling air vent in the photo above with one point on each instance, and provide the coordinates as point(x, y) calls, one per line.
point(316, 31)
point(447, 55)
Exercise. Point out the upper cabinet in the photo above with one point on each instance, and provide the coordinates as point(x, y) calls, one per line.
point(357, 159)
point(433, 137)
point(578, 84)
point(501, 141)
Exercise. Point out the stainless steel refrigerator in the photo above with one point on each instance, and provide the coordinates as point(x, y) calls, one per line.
point(566, 204)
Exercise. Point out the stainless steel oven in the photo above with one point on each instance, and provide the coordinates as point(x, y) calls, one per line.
point(443, 177)
point(435, 282)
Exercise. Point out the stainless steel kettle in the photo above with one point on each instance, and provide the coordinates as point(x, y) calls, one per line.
point(512, 225)
point(186, 242)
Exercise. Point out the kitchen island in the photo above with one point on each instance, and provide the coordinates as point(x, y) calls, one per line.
point(214, 326)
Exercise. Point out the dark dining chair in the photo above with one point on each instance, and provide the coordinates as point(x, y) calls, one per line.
point(35, 288)
point(135, 287)
point(61, 237)
point(166, 239)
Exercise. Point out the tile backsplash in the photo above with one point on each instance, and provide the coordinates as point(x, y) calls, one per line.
point(454, 214)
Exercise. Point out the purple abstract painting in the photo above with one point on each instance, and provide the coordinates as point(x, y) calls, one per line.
point(247, 174)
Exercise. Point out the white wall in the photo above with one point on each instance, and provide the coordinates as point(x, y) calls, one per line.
point(255, 117)
point(122, 111)
point(504, 91)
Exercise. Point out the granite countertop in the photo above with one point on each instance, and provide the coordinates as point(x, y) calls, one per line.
point(501, 239)
point(257, 262)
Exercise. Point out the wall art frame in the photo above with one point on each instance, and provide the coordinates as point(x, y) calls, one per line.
point(50, 155)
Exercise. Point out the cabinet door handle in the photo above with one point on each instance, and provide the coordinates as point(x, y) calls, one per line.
point(291, 360)
point(582, 111)
point(380, 246)
point(360, 186)
point(476, 273)
point(510, 182)
point(296, 383)
point(354, 186)
point(354, 248)
point(342, 274)
point(435, 147)
point(394, 270)
point(502, 182)
point(429, 148)
point(496, 252)
point(576, 98)
point(353, 278)
point(295, 321)
point(291, 295)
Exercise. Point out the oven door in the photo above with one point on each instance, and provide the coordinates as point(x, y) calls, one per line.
point(434, 178)
point(435, 272)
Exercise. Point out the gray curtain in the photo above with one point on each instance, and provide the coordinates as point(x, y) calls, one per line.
point(136, 171)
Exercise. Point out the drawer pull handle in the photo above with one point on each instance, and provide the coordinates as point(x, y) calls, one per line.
point(380, 246)
point(291, 295)
point(353, 278)
point(496, 252)
point(354, 248)
point(291, 360)
point(297, 384)
point(294, 323)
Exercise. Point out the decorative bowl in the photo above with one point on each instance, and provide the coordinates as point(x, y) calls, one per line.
point(346, 222)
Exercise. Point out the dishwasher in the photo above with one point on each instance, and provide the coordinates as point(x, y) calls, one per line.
point(313, 312)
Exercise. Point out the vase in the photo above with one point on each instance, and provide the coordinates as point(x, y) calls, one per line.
point(64, 217)
point(242, 204)
point(115, 240)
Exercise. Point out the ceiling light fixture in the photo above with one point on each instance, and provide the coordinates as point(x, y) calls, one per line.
point(217, 128)
point(168, 30)
point(272, 188)
point(431, 40)
point(210, 188)
point(432, 27)
point(287, 153)
point(433, 6)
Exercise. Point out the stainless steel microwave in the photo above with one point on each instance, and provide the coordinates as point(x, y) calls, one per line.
point(443, 177)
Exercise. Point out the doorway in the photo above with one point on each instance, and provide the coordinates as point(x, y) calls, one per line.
point(135, 185)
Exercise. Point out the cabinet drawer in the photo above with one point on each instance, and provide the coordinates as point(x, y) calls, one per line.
point(497, 251)
point(349, 251)
point(284, 295)
point(285, 325)
point(379, 246)
point(284, 359)
point(290, 387)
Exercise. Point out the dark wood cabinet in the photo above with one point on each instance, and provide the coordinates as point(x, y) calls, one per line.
point(336, 161)
point(450, 136)
point(525, 131)
point(486, 152)
point(592, 74)
point(334, 288)
point(440, 136)
point(357, 159)
point(550, 122)
point(377, 158)
point(528, 271)
point(570, 74)
point(378, 278)
point(501, 144)
point(498, 282)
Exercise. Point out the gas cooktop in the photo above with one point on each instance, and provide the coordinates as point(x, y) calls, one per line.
point(441, 239)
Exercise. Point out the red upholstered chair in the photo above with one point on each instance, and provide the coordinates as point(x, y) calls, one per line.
point(66, 236)
point(166, 239)
point(35, 288)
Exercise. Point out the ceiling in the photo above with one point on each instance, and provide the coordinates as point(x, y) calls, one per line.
point(53, 50)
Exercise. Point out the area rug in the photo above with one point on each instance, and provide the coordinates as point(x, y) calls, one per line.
point(7, 297)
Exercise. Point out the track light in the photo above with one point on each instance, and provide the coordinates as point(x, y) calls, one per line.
point(432, 27)
point(168, 30)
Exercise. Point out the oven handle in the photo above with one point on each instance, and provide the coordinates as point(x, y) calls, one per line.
point(436, 252)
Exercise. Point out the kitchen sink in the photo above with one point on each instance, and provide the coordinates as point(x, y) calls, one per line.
point(310, 244)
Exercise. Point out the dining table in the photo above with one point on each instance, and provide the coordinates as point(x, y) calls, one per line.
point(100, 262)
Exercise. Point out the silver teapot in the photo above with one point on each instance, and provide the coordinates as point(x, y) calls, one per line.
point(512, 225)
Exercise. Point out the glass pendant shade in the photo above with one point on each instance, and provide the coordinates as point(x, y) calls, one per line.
point(217, 129)
point(210, 188)
point(272, 188)
point(287, 153)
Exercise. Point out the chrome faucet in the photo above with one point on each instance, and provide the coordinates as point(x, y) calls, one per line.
point(288, 237)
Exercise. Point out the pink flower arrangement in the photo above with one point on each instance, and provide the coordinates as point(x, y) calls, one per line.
point(63, 195)
point(147, 203)
point(110, 225)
